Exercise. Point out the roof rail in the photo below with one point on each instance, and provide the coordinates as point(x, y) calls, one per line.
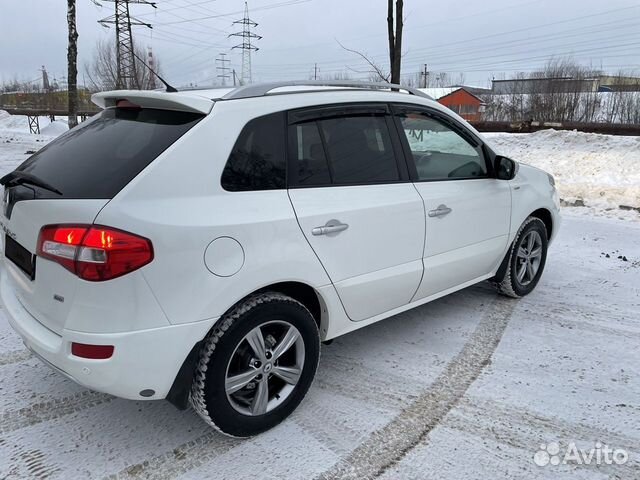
point(262, 89)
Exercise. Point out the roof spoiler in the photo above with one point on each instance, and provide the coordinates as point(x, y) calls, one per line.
point(154, 99)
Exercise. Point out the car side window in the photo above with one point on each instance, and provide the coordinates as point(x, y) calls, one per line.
point(306, 151)
point(439, 152)
point(359, 149)
point(344, 150)
point(257, 161)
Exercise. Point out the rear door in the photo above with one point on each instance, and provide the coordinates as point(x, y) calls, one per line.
point(365, 221)
point(87, 166)
point(467, 210)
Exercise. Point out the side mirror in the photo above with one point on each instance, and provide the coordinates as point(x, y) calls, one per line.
point(506, 169)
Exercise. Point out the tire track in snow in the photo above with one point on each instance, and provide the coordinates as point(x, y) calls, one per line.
point(50, 410)
point(387, 446)
point(321, 422)
point(519, 428)
point(14, 357)
point(182, 459)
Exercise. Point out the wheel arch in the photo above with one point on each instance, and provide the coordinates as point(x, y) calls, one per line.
point(307, 295)
point(546, 217)
point(303, 293)
point(541, 213)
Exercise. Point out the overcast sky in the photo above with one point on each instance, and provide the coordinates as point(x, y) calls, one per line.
point(479, 39)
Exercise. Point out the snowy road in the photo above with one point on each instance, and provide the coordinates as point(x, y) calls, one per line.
point(466, 387)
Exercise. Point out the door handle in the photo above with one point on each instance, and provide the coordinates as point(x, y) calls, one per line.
point(332, 226)
point(441, 211)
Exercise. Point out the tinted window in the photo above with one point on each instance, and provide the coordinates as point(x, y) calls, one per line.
point(257, 161)
point(439, 152)
point(307, 155)
point(359, 149)
point(102, 155)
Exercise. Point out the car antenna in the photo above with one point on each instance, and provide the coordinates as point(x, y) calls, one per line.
point(169, 87)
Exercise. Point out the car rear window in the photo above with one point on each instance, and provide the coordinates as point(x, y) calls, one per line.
point(102, 155)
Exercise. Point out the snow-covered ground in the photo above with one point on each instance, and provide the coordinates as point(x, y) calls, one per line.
point(466, 387)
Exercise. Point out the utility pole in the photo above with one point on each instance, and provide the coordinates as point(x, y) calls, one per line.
point(315, 71)
point(221, 67)
point(246, 45)
point(151, 81)
point(72, 65)
point(424, 76)
point(126, 76)
point(395, 37)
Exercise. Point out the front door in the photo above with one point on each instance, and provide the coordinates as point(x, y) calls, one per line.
point(364, 220)
point(467, 210)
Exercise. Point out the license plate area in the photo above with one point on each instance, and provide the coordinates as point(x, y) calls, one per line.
point(20, 256)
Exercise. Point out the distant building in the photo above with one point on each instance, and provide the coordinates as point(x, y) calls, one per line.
point(460, 100)
point(599, 83)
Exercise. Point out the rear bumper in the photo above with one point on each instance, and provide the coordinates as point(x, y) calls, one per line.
point(142, 360)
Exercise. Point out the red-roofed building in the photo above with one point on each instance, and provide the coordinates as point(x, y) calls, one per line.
point(460, 100)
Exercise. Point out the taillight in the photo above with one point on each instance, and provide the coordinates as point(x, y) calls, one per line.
point(94, 252)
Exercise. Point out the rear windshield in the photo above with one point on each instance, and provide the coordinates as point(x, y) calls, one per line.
point(102, 155)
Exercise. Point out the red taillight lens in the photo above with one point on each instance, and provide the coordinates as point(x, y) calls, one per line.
point(94, 252)
point(94, 352)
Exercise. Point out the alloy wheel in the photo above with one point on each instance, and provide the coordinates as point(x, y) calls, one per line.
point(265, 368)
point(528, 257)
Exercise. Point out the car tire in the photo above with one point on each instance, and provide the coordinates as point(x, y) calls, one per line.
point(526, 260)
point(268, 343)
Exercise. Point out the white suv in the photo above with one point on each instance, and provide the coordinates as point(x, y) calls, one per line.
point(198, 246)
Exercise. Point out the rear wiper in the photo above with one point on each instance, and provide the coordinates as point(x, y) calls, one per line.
point(18, 177)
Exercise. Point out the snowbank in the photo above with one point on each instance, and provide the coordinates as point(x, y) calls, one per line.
point(20, 124)
point(601, 170)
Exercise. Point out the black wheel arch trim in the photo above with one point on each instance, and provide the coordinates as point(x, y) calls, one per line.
point(178, 395)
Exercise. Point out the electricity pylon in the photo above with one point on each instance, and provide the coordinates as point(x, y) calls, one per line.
point(246, 45)
point(126, 76)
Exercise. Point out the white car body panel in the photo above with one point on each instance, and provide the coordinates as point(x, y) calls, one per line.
point(392, 257)
point(379, 256)
point(471, 240)
point(143, 359)
point(532, 191)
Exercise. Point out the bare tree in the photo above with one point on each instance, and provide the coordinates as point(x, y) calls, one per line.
point(72, 64)
point(377, 73)
point(395, 24)
point(102, 72)
point(394, 29)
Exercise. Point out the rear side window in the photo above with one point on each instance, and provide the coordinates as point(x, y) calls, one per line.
point(359, 150)
point(345, 150)
point(307, 154)
point(257, 161)
point(97, 159)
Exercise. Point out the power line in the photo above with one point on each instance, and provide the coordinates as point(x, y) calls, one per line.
point(470, 54)
point(264, 7)
point(438, 48)
point(189, 5)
